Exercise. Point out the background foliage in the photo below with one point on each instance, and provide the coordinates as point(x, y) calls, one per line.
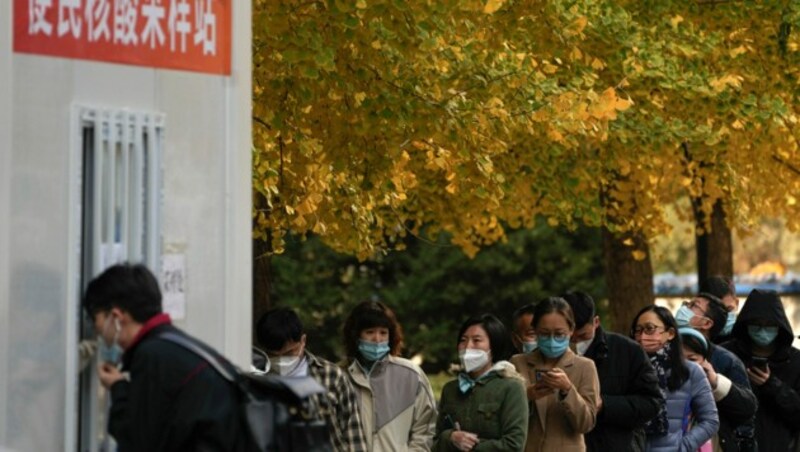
point(433, 288)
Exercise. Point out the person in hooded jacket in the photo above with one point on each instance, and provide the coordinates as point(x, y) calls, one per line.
point(762, 339)
point(484, 409)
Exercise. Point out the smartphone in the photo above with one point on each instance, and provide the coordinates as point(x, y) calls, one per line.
point(760, 362)
point(540, 373)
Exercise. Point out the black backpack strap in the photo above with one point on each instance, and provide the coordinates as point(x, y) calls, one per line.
point(190, 345)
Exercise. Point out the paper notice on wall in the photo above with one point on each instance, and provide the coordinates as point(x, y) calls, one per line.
point(173, 267)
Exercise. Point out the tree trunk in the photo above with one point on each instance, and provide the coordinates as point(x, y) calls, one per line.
point(261, 280)
point(629, 281)
point(714, 247)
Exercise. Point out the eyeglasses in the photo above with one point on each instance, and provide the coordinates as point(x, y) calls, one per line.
point(694, 304)
point(647, 329)
point(556, 336)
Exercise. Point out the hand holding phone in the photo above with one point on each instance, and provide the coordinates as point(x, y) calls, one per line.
point(759, 362)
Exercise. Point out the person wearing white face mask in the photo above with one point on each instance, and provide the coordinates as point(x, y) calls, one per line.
point(397, 407)
point(762, 339)
point(485, 407)
point(628, 382)
point(281, 333)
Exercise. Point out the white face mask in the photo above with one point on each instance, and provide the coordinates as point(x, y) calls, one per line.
point(473, 359)
point(284, 365)
point(582, 346)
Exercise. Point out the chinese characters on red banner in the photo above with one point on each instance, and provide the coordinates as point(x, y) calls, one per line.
point(193, 35)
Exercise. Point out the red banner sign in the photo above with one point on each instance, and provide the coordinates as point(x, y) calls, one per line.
point(193, 35)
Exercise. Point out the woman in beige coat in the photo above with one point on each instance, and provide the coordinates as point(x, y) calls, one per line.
point(562, 388)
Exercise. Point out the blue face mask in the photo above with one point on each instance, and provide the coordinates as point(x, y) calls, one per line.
point(684, 316)
point(373, 351)
point(110, 353)
point(729, 322)
point(552, 347)
point(530, 346)
point(762, 335)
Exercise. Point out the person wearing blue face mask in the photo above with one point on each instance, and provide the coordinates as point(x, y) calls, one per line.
point(723, 288)
point(706, 315)
point(396, 403)
point(562, 387)
point(762, 339)
point(163, 396)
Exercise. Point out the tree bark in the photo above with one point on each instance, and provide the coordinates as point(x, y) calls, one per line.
point(629, 281)
point(261, 280)
point(714, 247)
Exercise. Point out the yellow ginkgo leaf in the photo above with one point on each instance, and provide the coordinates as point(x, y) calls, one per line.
point(492, 6)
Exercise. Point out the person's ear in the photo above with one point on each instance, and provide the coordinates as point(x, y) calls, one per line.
point(596, 321)
point(671, 334)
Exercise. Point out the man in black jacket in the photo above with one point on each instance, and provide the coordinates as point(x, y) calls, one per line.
point(164, 397)
point(762, 339)
point(736, 402)
point(628, 382)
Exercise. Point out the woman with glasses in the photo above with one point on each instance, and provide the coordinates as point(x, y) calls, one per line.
point(689, 417)
point(562, 387)
point(485, 407)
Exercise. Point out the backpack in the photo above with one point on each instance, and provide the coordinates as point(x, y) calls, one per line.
point(278, 413)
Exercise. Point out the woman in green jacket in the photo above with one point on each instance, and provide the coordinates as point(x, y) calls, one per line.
point(485, 408)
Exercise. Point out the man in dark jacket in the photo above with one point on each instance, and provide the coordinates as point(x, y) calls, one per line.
point(628, 382)
point(736, 402)
point(762, 339)
point(164, 397)
point(723, 288)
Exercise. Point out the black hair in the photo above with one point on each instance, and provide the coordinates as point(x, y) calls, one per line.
point(371, 314)
point(715, 311)
point(129, 287)
point(499, 341)
point(554, 304)
point(277, 327)
point(582, 306)
point(696, 345)
point(677, 363)
point(720, 286)
point(527, 309)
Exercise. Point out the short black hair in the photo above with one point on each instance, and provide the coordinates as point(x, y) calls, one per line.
point(720, 286)
point(129, 287)
point(371, 314)
point(499, 341)
point(554, 304)
point(716, 311)
point(529, 308)
point(582, 305)
point(277, 327)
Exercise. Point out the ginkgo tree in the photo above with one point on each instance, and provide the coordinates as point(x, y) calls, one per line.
point(376, 118)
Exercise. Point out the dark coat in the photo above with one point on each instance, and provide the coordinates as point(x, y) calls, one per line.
point(174, 400)
point(737, 408)
point(778, 415)
point(629, 390)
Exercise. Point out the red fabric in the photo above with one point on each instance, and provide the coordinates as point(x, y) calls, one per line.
point(156, 320)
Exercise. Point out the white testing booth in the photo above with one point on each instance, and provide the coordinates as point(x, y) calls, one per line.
point(124, 135)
